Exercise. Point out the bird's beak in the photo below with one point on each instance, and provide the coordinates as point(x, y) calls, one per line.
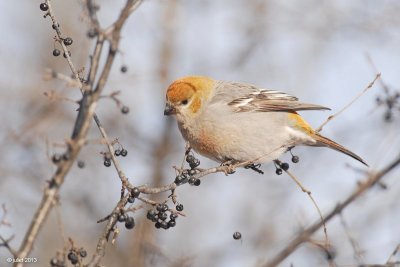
point(169, 109)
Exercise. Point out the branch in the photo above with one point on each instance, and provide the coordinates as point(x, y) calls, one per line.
point(350, 103)
point(306, 234)
point(81, 127)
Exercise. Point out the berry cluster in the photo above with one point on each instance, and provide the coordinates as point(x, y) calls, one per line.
point(160, 216)
point(121, 152)
point(67, 41)
point(281, 166)
point(128, 220)
point(74, 255)
point(193, 162)
point(186, 176)
point(135, 192)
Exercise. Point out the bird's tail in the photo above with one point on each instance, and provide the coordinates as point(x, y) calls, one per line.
point(323, 141)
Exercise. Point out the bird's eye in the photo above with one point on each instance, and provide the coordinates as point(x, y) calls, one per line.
point(184, 102)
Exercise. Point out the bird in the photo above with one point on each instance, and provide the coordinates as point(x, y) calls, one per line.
point(233, 122)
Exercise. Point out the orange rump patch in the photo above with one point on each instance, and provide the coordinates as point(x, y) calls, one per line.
point(300, 123)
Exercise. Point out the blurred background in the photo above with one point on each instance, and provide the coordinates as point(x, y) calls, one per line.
point(324, 52)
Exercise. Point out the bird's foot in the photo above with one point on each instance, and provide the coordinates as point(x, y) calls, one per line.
point(230, 168)
point(254, 167)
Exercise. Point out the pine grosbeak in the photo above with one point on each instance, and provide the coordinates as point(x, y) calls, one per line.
point(237, 122)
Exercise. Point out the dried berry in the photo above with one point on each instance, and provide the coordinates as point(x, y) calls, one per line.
point(285, 166)
point(68, 41)
point(44, 7)
point(124, 152)
point(125, 110)
point(56, 52)
point(81, 164)
point(129, 223)
point(237, 235)
point(124, 68)
point(135, 192)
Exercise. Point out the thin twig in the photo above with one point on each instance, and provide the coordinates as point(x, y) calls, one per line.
point(353, 242)
point(371, 180)
point(395, 251)
point(305, 190)
point(370, 85)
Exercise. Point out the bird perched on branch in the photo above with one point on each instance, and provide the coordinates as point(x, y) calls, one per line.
point(237, 122)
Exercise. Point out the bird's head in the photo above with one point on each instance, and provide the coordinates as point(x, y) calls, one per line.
point(186, 96)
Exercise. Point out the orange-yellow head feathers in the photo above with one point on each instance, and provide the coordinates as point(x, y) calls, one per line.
point(186, 95)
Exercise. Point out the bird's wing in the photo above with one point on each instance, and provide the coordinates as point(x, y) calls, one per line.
point(245, 98)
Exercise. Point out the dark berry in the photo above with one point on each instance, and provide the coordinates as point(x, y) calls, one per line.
point(135, 192)
point(295, 159)
point(107, 163)
point(163, 216)
point(164, 207)
point(82, 252)
point(278, 171)
point(54, 26)
point(159, 207)
point(129, 223)
point(192, 181)
point(117, 152)
point(56, 52)
point(56, 158)
point(172, 223)
point(164, 225)
point(65, 55)
point(124, 68)
point(81, 164)
point(158, 225)
point(285, 166)
point(179, 207)
point(73, 257)
point(173, 216)
point(125, 110)
point(121, 217)
point(189, 158)
point(68, 41)
point(192, 172)
point(237, 235)
point(44, 7)
point(124, 152)
point(195, 163)
point(197, 182)
point(180, 179)
point(151, 214)
point(131, 199)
